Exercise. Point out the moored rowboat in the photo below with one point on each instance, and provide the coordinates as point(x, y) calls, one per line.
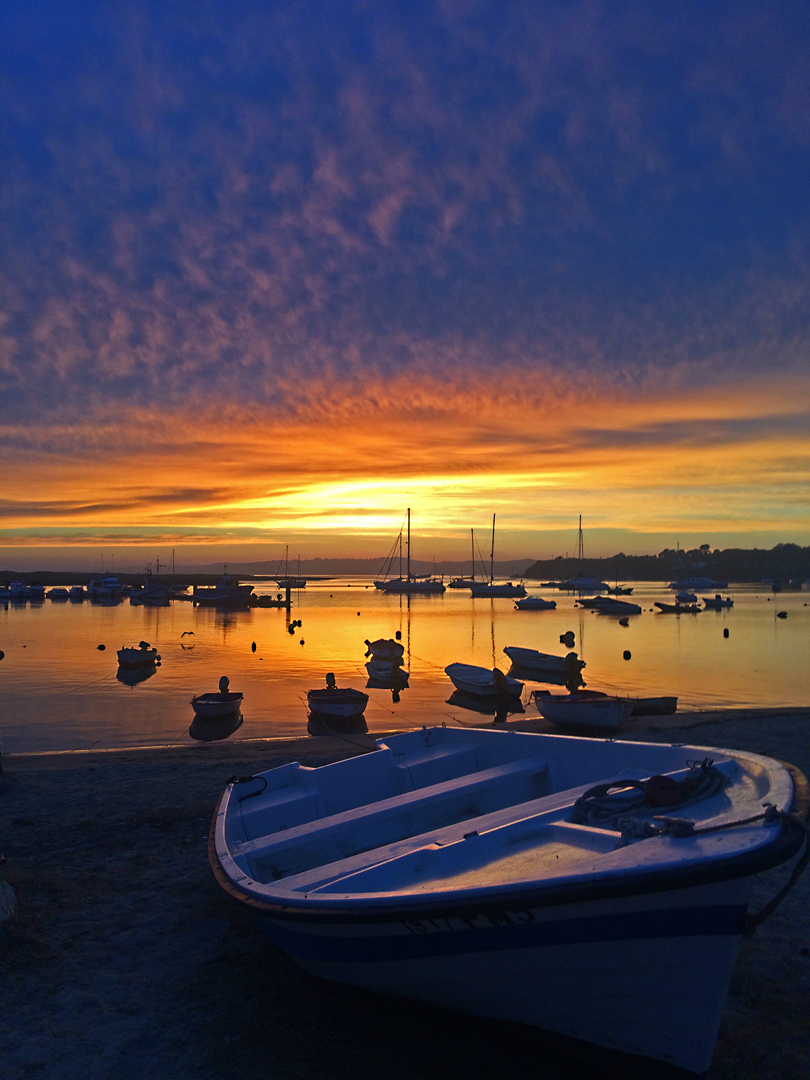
point(482, 682)
point(583, 710)
point(558, 881)
point(215, 706)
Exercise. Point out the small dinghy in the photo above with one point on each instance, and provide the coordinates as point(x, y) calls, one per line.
point(583, 709)
point(483, 682)
point(333, 710)
point(227, 703)
point(144, 654)
point(598, 889)
point(385, 649)
point(385, 671)
point(535, 603)
point(530, 660)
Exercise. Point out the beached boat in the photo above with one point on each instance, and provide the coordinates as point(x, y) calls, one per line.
point(137, 657)
point(482, 682)
point(218, 706)
point(583, 710)
point(717, 602)
point(561, 882)
point(535, 603)
point(641, 706)
point(530, 660)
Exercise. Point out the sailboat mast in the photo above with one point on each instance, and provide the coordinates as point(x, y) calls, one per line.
point(492, 554)
point(579, 549)
point(472, 552)
point(409, 543)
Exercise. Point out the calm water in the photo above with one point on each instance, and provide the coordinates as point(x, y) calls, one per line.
point(60, 693)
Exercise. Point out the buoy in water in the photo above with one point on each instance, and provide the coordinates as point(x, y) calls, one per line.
point(301, 642)
point(358, 612)
point(253, 646)
point(626, 654)
point(101, 648)
point(725, 631)
point(2, 654)
point(781, 614)
point(398, 635)
point(624, 622)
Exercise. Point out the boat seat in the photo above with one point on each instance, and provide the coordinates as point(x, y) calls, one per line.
point(448, 802)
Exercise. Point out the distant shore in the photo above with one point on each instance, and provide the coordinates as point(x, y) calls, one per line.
point(126, 960)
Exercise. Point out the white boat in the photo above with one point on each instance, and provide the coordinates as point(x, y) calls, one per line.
point(535, 603)
point(483, 682)
point(544, 663)
point(583, 710)
point(332, 702)
point(105, 587)
point(226, 593)
point(409, 583)
point(286, 580)
point(561, 882)
point(677, 609)
point(137, 657)
point(582, 582)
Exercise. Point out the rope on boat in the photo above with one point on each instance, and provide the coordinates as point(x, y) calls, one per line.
point(246, 780)
point(603, 807)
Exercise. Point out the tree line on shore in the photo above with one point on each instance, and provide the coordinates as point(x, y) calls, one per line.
point(784, 562)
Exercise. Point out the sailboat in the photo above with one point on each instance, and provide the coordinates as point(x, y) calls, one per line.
point(285, 581)
point(410, 583)
point(491, 587)
point(583, 582)
point(466, 582)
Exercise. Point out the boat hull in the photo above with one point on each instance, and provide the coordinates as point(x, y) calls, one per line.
point(606, 714)
point(217, 706)
point(647, 975)
point(535, 603)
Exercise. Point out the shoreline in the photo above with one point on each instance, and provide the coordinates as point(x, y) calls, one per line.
point(126, 960)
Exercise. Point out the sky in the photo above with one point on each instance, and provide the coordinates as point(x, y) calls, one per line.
point(272, 273)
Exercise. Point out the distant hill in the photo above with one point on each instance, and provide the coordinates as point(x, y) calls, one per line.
point(785, 562)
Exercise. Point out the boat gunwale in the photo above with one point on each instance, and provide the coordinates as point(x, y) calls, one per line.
point(740, 864)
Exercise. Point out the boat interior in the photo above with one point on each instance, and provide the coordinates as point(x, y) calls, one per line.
point(441, 809)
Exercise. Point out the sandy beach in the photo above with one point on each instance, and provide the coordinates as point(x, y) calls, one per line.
point(125, 959)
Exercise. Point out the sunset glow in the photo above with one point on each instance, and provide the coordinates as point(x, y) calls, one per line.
point(274, 278)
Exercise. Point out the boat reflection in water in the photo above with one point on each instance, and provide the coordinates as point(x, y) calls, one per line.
point(131, 676)
point(213, 730)
point(486, 706)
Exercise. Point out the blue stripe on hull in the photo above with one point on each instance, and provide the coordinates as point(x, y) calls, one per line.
point(424, 938)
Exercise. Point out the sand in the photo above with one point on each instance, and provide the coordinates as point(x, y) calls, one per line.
point(125, 959)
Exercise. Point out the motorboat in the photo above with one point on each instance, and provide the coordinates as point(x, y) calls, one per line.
point(57, 593)
point(137, 657)
point(530, 660)
point(218, 706)
point(76, 592)
point(18, 591)
point(483, 682)
point(461, 583)
point(620, 590)
point(36, 591)
point(677, 609)
point(686, 597)
point(609, 605)
point(154, 591)
point(717, 602)
point(334, 703)
point(492, 587)
point(226, 593)
point(535, 603)
point(105, 587)
point(385, 649)
point(5, 592)
point(595, 888)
